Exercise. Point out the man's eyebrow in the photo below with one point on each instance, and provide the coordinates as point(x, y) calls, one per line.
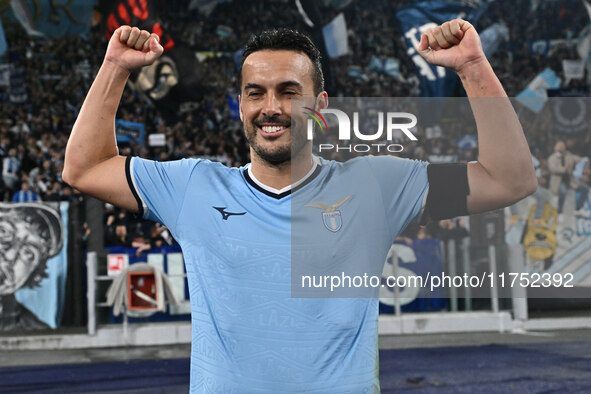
point(290, 84)
point(282, 85)
point(253, 86)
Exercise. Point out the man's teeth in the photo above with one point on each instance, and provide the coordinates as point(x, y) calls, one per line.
point(272, 129)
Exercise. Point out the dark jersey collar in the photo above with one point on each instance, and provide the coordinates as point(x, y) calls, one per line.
point(286, 191)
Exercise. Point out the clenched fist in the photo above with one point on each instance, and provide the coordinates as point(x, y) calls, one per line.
point(131, 48)
point(453, 44)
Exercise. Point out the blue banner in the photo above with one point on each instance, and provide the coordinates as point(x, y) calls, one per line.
point(335, 37)
point(54, 18)
point(43, 295)
point(233, 104)
point(423, 258)
point(3, 45)
point(418, 18)
point(130, 131)
point(18, 89)
point(237, 57)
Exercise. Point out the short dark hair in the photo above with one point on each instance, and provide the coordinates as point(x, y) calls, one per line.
point(286, 39)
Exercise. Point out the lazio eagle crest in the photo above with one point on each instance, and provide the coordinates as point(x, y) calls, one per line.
point(331, 216)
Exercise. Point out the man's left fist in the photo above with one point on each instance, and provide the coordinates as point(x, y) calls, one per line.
point(453, 44)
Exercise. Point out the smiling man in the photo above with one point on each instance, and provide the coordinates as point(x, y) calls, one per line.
point(235, 224)
point(277, 67)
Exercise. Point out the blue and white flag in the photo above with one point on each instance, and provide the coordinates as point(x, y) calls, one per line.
point(357, 73)
point(415, 20)
point(130, 131)
point(224, 31)
point(335, 37)
point(468, 141)
point(492, 37)
point(540, 47)
point(580, 167)
point(535, 95)
point(385, 65)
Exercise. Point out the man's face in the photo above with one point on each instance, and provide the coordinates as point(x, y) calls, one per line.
point(560, 147)
point(121, 230)
point(21, 251)
point(270, 81)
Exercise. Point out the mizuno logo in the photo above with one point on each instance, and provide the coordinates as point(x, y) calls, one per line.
point(225, 214)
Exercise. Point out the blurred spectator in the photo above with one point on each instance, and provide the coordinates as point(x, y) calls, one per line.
point(25, 194)
point(55, 194)
point(561, 164)
point(452, 229)
point(10, 168)
point(85, 234)
point(67, 193)
point(120, 236)
point(116, 229)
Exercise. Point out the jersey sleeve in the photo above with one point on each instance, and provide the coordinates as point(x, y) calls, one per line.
point(159, 187)
point(404, 185)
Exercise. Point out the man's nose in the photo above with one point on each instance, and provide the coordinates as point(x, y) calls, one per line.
point(11, 254)
point(272, 105)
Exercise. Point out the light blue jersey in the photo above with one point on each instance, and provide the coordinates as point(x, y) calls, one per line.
point(249, 333)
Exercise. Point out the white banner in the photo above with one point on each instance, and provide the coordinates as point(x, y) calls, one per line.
point(21, 12)
point(4, 74)
point(205, 7)
point(588, 7)
point(492, 37)
point(335, 37)
point(584, 44)
point(573, 69)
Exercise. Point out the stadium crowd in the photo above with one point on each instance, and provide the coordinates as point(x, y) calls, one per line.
point(58, 72)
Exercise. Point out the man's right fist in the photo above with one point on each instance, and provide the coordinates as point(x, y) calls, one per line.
point(131, 48)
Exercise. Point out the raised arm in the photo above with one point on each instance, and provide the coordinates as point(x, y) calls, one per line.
point(92, 163)
point(504, 172)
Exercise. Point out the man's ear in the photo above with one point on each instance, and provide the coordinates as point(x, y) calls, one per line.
point(240, 108)
point(321, 101)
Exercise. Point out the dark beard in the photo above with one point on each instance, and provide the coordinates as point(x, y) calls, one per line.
point(282, 154)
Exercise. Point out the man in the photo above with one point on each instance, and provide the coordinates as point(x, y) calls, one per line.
point(561, 164)
point(10, 169)
point(234, 225)
point(25, 194)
